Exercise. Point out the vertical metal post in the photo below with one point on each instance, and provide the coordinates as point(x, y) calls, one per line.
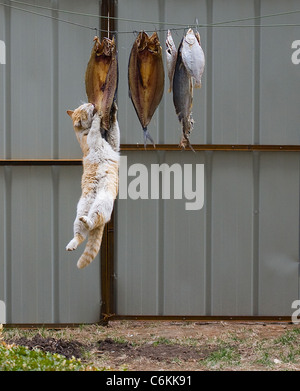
point(107, 7)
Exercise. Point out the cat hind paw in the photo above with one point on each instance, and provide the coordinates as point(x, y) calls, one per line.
point(72, 245)
point(87, 222)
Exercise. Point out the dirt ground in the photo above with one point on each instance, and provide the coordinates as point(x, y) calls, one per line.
point(173, 346)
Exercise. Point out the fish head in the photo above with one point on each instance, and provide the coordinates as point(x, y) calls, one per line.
point(170, 45)
point(107, 47)
point(190, 37)
point(144, 42)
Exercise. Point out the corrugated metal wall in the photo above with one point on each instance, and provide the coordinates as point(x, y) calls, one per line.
point(42, 78)
point(239, 254)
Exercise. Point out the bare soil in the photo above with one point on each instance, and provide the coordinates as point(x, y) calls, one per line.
point(170, 346)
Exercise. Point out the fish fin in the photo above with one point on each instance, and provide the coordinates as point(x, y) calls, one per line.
point(185, 141)
point(147, 135)
point(190, 145)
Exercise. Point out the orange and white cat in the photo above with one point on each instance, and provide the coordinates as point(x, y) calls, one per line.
point(99, 181)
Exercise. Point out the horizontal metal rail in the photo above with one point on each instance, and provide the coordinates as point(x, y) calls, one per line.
point(198, 318)
point(158, 147)
point(214, 147)
point(157, 318)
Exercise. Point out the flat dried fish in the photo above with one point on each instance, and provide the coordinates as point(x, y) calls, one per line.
point(101, 78)
point(193, 56)
point(146, 78)
point(171, 56)
point(183, 98)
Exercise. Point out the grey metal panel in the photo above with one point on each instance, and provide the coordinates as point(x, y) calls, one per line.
point(2, 236)
point(232, 234)
point(279, 233)
point(137, 254)
point(46, 73)
point(165, 263)
point(279, 108)
point(79, 298)
point(233, 74)
point(39, 279)
point(2, 86)
point(184, 247)
point(30, 85)
point(74, 45)
point(31, 245)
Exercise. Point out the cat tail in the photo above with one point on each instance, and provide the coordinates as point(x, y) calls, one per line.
point(92, 247)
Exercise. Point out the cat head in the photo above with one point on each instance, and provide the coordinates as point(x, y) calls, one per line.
point(82, 116)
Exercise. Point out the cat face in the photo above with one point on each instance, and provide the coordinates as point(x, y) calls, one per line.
point(82, 116)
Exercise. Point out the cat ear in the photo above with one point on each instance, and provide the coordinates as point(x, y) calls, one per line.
point(70, 112)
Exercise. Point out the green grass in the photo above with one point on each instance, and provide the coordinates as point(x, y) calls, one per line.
point(20, 358)
point(224, 356)
point(162, 340)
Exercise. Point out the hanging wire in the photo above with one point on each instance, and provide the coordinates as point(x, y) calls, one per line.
point(48, 16)
point(157, 22)
point(222, 24)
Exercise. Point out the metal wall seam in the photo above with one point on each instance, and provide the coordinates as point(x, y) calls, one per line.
point(256, 160)
point(8, 170)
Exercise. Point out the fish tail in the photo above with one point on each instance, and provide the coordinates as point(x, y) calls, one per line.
point(185, 141)
point(198, 84)
point(187, 127)
point(147, 135)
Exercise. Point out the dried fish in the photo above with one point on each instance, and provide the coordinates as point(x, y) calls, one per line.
point(193, 56)
point(183, 98)
point(171, 56)
point(146, 78)
point(101, 78)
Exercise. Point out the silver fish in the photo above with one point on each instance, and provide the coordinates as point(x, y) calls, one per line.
point(171, 56)
point(193, 56)
point(183, 98)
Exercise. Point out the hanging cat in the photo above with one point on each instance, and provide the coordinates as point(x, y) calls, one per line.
point(99, 181)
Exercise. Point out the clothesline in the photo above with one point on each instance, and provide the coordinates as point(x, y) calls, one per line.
point(179, 26)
